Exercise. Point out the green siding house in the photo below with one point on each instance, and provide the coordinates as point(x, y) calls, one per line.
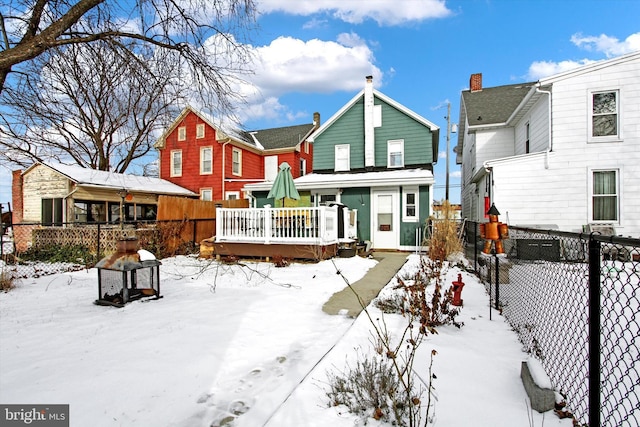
point(376, 156)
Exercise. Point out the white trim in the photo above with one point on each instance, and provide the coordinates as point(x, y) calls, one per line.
point(392, 143)
point(618, 171)
point(608, 138)
point(342, 149)
point(205, 190)
point(173, 172)
point(410, 190)
point(200, 129)
point(231, 193)
point(237, 151)
point(182, 133)
point(202, 169)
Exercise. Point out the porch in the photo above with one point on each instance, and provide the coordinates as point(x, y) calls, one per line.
point(301, 232)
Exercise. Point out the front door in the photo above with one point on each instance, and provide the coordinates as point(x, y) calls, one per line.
point(385, 219)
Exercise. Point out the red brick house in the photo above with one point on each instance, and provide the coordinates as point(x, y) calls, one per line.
point(197, 155)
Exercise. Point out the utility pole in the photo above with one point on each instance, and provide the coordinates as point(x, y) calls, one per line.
point(446, 194)
point(450, 130)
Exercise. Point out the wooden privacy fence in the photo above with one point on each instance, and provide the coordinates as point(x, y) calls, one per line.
point(183, 209)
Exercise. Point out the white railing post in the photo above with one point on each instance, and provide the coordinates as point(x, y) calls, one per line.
point(219, 221)
point(267, 224)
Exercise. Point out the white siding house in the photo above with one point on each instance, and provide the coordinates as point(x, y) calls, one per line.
point(562, 152)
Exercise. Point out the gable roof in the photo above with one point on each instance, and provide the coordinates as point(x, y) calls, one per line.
point(493, 105)
point(223, 133)
point(86, 177)
point(434, 128)
point(283, 137)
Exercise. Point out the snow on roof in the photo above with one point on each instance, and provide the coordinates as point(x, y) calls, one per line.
point(361, 179)
point(105, 179)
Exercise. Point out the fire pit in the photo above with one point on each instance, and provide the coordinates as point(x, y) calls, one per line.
point(126, 276)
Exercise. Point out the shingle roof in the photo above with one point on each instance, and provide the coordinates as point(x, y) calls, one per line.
point(115, 181)
point(284, 137)
point(494, 105)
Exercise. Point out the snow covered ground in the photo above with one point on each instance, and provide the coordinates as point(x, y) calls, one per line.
point(239, 346)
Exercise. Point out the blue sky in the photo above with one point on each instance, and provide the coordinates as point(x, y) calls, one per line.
point(313, 55)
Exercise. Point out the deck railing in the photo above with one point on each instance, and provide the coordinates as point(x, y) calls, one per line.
point(307, 225)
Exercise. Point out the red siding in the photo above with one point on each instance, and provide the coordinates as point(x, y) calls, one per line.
point(252, 169)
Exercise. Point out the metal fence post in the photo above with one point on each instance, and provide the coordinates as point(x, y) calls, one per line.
point(594, 331)
point(497, 282)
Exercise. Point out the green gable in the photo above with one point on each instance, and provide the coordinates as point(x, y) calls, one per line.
point(348, 128)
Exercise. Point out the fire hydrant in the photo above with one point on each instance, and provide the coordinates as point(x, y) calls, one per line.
point(457, 291)
point(493, 232)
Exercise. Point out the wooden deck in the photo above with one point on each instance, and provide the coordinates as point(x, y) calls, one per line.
point(271, 251)
point(292, 233)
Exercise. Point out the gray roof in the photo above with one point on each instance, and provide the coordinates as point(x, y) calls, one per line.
point(117, 181)
point(494, 105)
point(284, 137)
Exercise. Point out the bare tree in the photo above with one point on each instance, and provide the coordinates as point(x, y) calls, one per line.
point(89, 105)
point(93, 80)
point(30, 28)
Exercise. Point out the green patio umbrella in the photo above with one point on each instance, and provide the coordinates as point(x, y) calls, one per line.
point(283, 186)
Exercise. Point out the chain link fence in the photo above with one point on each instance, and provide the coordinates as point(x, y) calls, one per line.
point(73, 246)
point(574, 301)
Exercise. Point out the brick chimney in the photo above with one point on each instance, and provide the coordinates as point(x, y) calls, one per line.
point(316, 120)
point(16, 196)
point(475, 82)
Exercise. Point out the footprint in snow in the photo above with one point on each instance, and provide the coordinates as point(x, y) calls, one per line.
point(237, 397)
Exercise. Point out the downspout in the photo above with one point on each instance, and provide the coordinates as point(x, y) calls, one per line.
point(224, 144)
point(550, 145)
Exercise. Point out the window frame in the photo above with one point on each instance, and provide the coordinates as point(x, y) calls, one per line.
point(237, 171)
point(173, 171)
point(182, 133)
point(339, 160)
point(406, 191)
point(391, 143)
point(200, 130)
point(593, 195)
point(303, 166)
point(203, 170)
point(204, 191)
point(618, 113)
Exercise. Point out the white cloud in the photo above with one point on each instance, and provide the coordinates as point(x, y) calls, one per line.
point(289, 65)
point(608, 45)
point(455, 174)
point(384, 12)
point(541, 69)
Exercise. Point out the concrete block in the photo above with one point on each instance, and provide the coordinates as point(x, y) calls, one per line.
point(542, 399)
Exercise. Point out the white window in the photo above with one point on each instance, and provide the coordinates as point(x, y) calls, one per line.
point(604, 196)
point(182, 133)
point(236, 161)
point(303, 167)
point(604, 117)
point(395, 153)
point(200, 130)
point(342, 158)
point(377, 116)
point(176, 163)
point(410, 204)
point(232, 195)
point(206, 160)
point(270, 168)
point(206, 194)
